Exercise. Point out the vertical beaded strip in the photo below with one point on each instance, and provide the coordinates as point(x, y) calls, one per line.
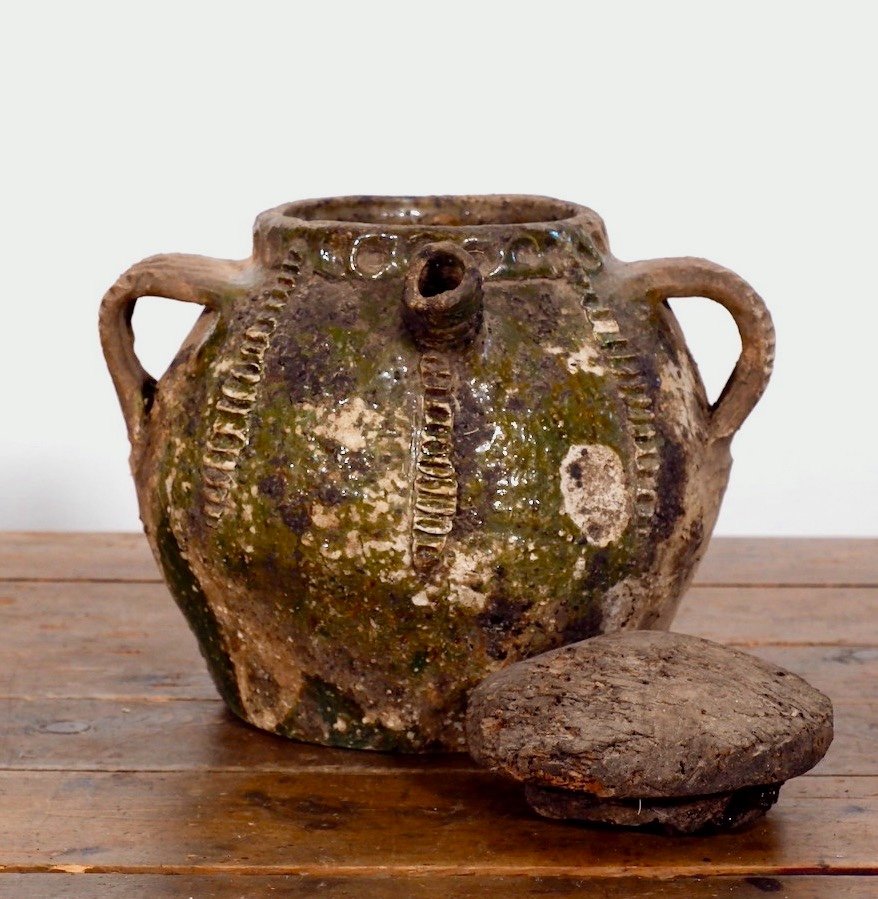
point(230, 429)
point(435, 488)
point(638, 404)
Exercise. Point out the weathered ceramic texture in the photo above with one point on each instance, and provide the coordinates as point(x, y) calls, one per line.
point(412, 440)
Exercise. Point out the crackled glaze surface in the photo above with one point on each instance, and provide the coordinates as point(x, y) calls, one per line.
point(368, 490)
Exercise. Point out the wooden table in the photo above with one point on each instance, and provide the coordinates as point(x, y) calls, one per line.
point(120, 766)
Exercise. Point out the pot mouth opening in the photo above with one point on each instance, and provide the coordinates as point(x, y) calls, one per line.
point(444, 211)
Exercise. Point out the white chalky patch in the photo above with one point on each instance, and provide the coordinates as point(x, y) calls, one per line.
point(377, 547)
point(322, 517)
point(687, 409)
point(353, 425)
point(461, 595)
point(595, 493)
point(620, 603)
point(391, 719)
point(466, 576)
point(585, 359)
point(353, 545)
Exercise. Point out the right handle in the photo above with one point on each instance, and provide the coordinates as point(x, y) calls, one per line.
point(657, 280)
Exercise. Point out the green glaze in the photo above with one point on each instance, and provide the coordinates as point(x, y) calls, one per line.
point(195, 606)
point(310, 437)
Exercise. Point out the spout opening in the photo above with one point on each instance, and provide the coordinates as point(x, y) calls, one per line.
point(442, 272)
point(442, 297)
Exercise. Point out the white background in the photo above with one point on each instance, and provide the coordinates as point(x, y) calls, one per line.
point(743, 132)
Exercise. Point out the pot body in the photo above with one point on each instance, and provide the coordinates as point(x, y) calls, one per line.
point(361, 522)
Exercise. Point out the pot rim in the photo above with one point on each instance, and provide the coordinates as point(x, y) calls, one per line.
point(332, 225)
point(449, 211)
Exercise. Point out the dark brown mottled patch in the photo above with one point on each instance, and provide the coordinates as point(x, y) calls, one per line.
point(670, 488)
point(295, 516)
point(582, 624)
point(330, 494)
point(501, 620)
point(574, 469)
point(272, 486)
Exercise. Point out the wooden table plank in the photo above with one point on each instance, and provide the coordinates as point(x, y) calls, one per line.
point(106, 735)
point(729, 560)
point(141, 735)
point(219, 886)
point(117, 756)
point(750, 616)
point(846, 674)
point(129, 640)
point(789, 561)
point(338, 824)
point(76, 556)
point(97, 640)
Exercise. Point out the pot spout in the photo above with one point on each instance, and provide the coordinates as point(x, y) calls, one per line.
point(442, 297)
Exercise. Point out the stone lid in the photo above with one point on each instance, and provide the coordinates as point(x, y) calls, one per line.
point(648, 714)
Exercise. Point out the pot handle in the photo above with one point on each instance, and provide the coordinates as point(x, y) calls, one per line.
point(657, 280)
point(214, 283)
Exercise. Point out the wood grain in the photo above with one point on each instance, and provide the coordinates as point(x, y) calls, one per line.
point(142, 735)
point(295, 886)
point(749, 616)
point(76, 557)
point(130, 640)
point(797, 561)
point(116, 755)
point(218, 886)
point(847, 674)
point(342, 823)
point(729, 560)
point(97, 640)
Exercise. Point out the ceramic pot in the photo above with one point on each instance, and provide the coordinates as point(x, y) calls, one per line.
point(412, 440)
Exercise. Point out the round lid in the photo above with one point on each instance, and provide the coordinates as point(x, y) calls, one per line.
point(648, 714)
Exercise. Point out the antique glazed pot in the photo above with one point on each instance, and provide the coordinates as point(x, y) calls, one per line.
point(412, 440)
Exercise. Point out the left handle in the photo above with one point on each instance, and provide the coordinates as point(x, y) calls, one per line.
point(213, 283)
